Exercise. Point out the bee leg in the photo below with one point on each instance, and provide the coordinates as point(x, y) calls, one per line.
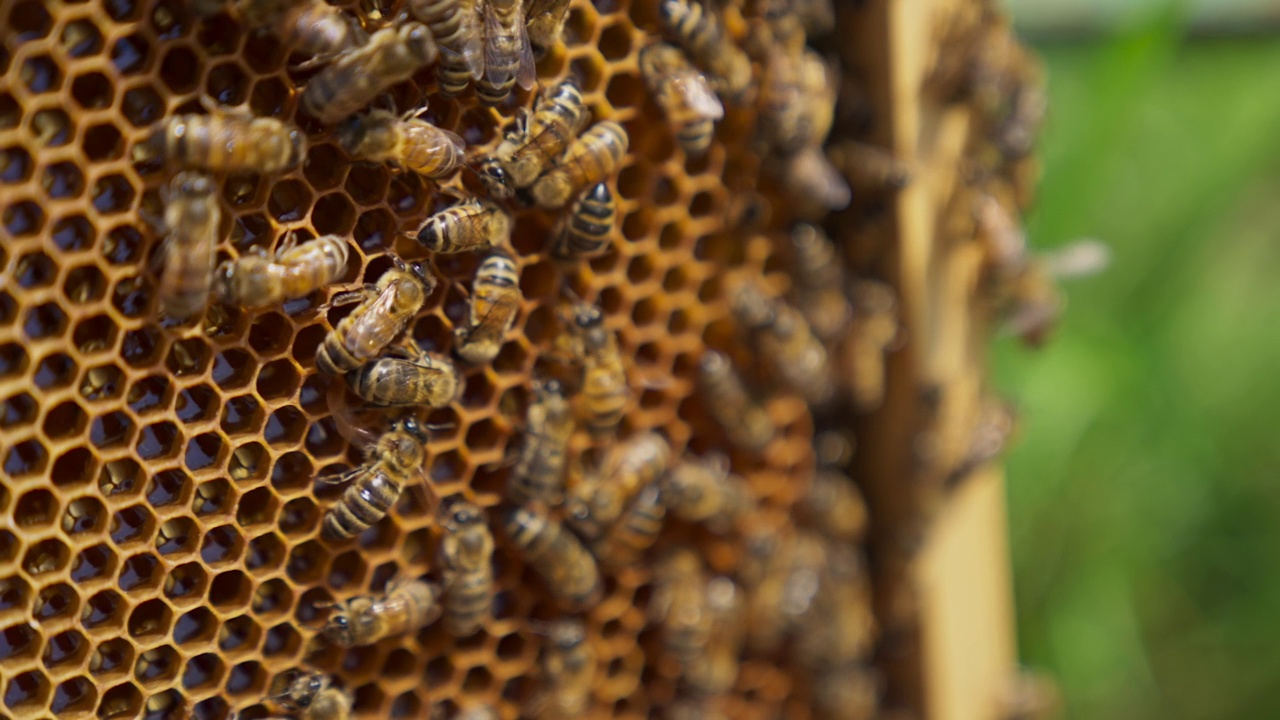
point(315, 61)
point(290, 240)
point(350, 297)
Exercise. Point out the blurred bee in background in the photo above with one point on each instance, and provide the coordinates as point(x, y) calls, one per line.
point(384, 311)
point(584, 232)
point(406, 606)
point(684, 94)
point(495, 300)
point(456, 27)
point(472, 224)
point(635, 530)
point(192, 217)
point(876, 328)
point(700, 33)
point(311, 696)
point(466, 553)
point(849, 692)
point(534, 141)
point(599, 498)
point(798, 97)
point(702, 490)
point(508, 59)
point(1031, 695)
point(568, 569)
point(345, 86)
point(416, 379)
point(393, 462)
point(717, 669)
point(313, 27)
point(544, 21)
point(379, 136)
point(679, 604)
point(833, 504)
point(746, 423)
point(478, 712)
point(790, 576)
point(225, 140)
point(591, 158)
point(568, 672)
point(996, 423)
point(1035, 302)
point(813, 185)
point(604, 390)
point(820, 282)
point(797, 355)
point(259, 279)
point(840, 628)
point(867, 166)
point(539, 469)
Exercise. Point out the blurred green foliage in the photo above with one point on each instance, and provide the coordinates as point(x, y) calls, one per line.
point(1144, 488)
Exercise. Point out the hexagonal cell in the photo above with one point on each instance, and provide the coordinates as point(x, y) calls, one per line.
point(97, 562)
point(230, 590)
point(188, 357)
point(75, 466)
point(141, 348)
point(140, 573)
point(203, 671)
point(282, 640)
point(113, 194)
point(233, 368)
point(285, 426)
point(19, 642)
point(204, 451)
point(111, 657)
point(77, 695)
point(290, 201)
point(169, 487)
point(227, 84)
point(14, 595)
point(96, 334)
point(197, 626)
point(45, 321)
point(222, 545)
point(27, 692)
point(142, 106)
point(55, 601)
point(35, 508)
point(41, 74)
point(65, 420)
point(25, 458)
point(73, 233)
point(92, 90)
point(46, 556)
point(196, 403)
point(247, 678)
point(177, 536)
point(292, 471)
point(121, 701)
point(65, 648)
point(241, 414)
point(84, 284)
point(180, 70)
point(84, 515)
point(157, 666)
point(131, 525)
point(114, 429)
point(102, 382)
point(105, 609)
point(157, 441)
point(150, 620)
point(248, 461)
point(299, 517)
point(29, 21)
point(186, 582)
point(215, 497)
point(23, 218)
point(15, 166)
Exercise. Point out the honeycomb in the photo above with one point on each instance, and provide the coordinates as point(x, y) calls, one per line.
point(160, 553)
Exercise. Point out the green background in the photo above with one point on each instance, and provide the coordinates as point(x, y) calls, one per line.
point(1144, 501)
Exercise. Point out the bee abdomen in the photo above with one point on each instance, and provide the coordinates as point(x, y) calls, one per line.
point(638, 528)
point(695, 136)
point(367, 501)
point(468, 602)
point(333, 357)
point(587, 229)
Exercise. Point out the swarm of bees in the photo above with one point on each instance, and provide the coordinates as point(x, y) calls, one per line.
point(586, 495)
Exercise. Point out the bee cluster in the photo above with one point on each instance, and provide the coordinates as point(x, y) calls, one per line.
point(492, 358)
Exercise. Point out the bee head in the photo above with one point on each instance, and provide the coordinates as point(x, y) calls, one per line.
point(567, 634)
point(587, 317)
point(410, 426)
point(193, 184)
point(420, 271)
point(297, 147)
point(338, 628)
point(495, 178)
point(351, 133)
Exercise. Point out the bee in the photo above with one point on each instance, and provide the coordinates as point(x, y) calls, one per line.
point(569, 570)
point(384, 311)
point(636, 530)
point(840, 629)
point(364, 620)
point(311, 26)
point(787, 592)
point(478, 712)
point(544, 21)
point(260, 279)
point(472, 224)
point(1031, 695)
point(466, 552)
point(745, 422)
point(584, 232)
point(875, 328)
point(833, 505)
point(849, 692)
point(813, 185)
point(357, 76)
point(535, 141)
point(604, 380)
point(590, 159)
point(798, 98)
point(226, 141)
point(379, 136)
point(394, 461)
point(419, 379)
point(679, 603)
point(997, 421)
point(784, 337)
point(539, 469)
point(456, 27)
point(702, 490)
point(686, 97)
point(508, 58)
point(701, 34)
point(867, 166)
point(820, 282)
point(717, 669)
point(311, 696)
point(495, 301)
point(1035, 301)
point(192, 216)
point(598, 502)
point(568, 670)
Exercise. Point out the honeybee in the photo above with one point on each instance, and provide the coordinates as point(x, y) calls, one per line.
point(385, 309)
point(702, 490)
point(997, 421)
point(686, 97)
point(260, 279)
point(379, 136)
point(394, 460)
point(478, 712)
point(311, 696)
point(1031, 695)
point(544, 21)
point(875, 328)
point(717, 669)
point(590, 159)
point(1035, 301)
point(788, 590)
point(849, 692)
point(599, 501)
point(539, 469)
point(456, 27)
point(746, 423)
point(636, 530)
point(679, 603)
point(840, 628)
point(813, 184)
point(820, 282)
point(569, 570)
point(604, 380)
point(192, 217)
point(798, 98)
point(568, 670)
point(364, 620)
point(700, 33)
point(584, 232)
point(466, 552)
point(495, 300)
point(784, 337)
point(508, 59)
point(833, 505)
point(868, 166)
point(534, 141)
point(357, 76)
point(419, 379)
point(311, 26)
point(226, 141)
point(472, 224)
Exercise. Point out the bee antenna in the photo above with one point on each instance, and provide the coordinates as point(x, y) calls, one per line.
point(573, 296)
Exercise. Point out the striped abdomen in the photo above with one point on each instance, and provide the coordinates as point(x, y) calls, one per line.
point(695, 29)
point(311, 266)
point(604, 394)
point(556, 121)
point(591, 159)
point(190, 250)
point(409, 606)
point(586, 230)
point(429, 150)
point(468, 600)
point(368, 500)
point(452, 22)
point(461, 228)
point(570, 572)
point(318, 28)
point(226, 142)
point(637, 529)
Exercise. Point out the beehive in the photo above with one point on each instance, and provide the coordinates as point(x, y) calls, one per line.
point(161, 515)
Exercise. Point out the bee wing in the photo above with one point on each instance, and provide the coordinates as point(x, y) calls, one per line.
point(454, 138)
point(697, 93)
point(527, 74)
point(494, 322)
point(473, 46)
point(370, 336)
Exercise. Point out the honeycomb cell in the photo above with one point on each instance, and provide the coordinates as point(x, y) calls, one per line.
point(35, 508)
point(94, 563)
point(29, 21)
point(131, 525)
point(65, 648)
point(188, 357)
point(112, 194)
point(81, 38)
point(232, 368)
point(195, 404)
point(27, 692)
point(73, 233)
point(158, 441)
point(157, 666)
point(47, 321)
point(186, 582)
point(282, 640)
point(131, 55)
point(84, 284)
point(23, 218)
point(204, 451)
point(195, 627)
point(150, 620)
point(92, 91)
point(142, 106)
point(25, 458)
point(121, 701)
point(15, 166)
point(72, 467)
point(221, 545)
point(105, 609)
point(19, 642)
point(114, 429)
point(55, 601)
point(15, 592)
point(230, 590)
point(140, 573)
point(77, 695)
point(41, 74)
point(169, 487)
point(299, 517)
point(239, 634)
